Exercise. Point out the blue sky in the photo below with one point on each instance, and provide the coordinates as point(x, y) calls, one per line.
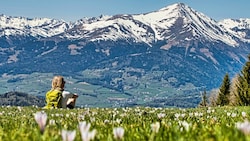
point(72, 10)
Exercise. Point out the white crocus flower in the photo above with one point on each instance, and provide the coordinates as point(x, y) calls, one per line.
point(84, 126)
point(183, 115)
point(106, 121)
point(196, 114)
point(52, 122)
point(68, 135)
point(161, 115)
point(177, 115)
point(208, 111)
point(244, 114)
point(244, 127)
point(85, 133)
point(92, 134)
point(155, 127)
point(233, 114)
point(41, 119)
point(191, 114)
point(118, 133)
point(184, 124)
point(118, 121)
point(87, 136)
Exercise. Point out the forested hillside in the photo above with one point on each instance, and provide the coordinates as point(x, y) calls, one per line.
point(21, 99)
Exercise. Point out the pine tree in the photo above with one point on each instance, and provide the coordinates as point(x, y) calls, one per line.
point(224, 92)
point(244, 85)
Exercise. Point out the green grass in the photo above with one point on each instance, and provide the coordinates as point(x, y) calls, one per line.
point(206, 124)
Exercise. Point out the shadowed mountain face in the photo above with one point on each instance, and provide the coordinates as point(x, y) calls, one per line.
point(162, 58)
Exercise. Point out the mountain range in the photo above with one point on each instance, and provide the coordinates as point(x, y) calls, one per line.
point(161, 58)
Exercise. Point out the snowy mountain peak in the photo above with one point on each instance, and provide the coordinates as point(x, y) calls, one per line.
point(174, 6)
point(239, 23)
point(239, 28)
point(179, 10)
point(185, 23)
point(26, 26)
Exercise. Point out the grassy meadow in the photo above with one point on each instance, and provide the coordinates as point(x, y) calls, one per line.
point(125, 124)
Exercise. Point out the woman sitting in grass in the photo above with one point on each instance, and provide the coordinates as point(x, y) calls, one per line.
point(57, 97)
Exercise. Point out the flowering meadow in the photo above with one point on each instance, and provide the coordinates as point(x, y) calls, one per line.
point(125, 124)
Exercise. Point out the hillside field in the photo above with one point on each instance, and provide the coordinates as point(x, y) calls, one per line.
point(127, 124)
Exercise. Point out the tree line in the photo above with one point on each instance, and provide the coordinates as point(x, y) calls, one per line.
point(235, 92)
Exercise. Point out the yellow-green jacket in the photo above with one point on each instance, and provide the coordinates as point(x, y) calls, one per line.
point(53, 99)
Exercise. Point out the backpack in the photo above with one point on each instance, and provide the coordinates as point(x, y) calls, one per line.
point(53, 99)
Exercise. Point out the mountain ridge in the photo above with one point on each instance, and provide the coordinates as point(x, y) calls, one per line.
point(52, 27)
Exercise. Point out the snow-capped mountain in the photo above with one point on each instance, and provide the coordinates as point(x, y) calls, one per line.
point(239, 27)
point(152, 56)
point(38, 27)
point(172, 23)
